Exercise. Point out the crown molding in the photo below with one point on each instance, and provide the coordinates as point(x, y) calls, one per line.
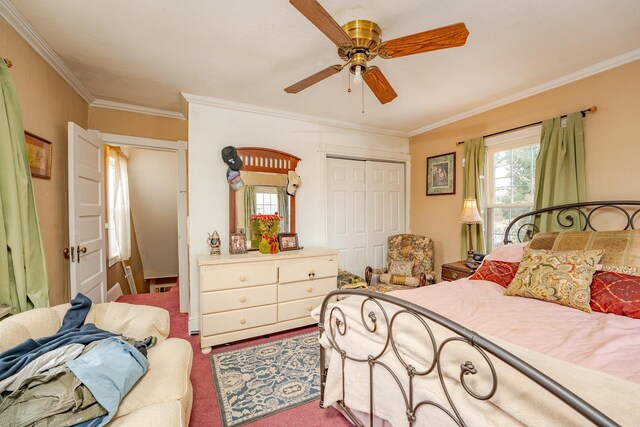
point(113, 105)
point(248, 108)
point(31, 36)
point(605, 65)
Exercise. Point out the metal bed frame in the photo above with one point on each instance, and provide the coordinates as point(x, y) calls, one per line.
point(569, 216)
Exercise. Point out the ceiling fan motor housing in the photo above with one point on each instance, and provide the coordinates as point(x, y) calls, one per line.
point(365, 36)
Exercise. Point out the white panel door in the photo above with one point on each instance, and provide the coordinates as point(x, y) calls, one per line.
point(86, 215)
point(346, 193)
point(385, 208)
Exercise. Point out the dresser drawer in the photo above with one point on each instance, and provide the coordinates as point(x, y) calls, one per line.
point(297, 309)
point(235, 320)
point(306, 289)
point(234, 299)
point(215, 278)
point(308, 269)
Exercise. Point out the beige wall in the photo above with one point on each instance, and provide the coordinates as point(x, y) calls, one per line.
point(47, 104)
point(135, 124)
point(610, 138)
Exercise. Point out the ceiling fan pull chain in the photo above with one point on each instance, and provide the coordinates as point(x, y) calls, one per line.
point(362, 87)
point(349, 82)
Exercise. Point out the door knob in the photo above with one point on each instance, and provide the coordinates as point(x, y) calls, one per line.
point(69, 253)
point(80, 250)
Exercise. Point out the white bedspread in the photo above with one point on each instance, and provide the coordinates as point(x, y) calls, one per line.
point(594, 355)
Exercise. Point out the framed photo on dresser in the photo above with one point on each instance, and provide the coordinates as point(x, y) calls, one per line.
point(288, 241)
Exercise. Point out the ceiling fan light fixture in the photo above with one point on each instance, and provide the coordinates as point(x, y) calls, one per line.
point(357, 76)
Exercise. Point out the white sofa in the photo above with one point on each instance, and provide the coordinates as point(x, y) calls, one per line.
point(164, 395)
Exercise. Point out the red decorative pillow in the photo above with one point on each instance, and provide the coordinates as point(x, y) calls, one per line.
point(500, 272)
point(616, 293)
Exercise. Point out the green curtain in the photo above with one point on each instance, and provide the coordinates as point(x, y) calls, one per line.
point(560, 176)
point(249, 208)
point(474, 166)
point(23, 273)
point(283, 209)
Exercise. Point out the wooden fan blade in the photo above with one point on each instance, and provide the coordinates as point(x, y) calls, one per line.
point(313, 79)
point(426, 41)
point(379, 85)
point(319, 17)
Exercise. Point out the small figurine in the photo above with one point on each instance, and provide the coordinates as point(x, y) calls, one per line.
point(214, 243)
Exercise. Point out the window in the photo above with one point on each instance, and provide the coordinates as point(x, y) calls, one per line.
point(118, 213)
point(511, 169)
point(266, 200)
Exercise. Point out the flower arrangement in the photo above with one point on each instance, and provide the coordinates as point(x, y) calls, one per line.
point(264, 232)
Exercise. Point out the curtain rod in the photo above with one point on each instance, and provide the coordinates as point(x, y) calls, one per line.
point(592, 109)
point(8, 62)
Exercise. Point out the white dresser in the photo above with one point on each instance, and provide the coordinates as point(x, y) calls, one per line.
point(252, 294)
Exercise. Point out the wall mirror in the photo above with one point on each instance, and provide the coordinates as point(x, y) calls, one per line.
point(264, 172)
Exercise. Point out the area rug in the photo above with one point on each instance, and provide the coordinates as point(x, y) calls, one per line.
point(261, 380)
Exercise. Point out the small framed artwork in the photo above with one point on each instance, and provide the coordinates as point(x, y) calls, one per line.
point(238, 242)
point(288, 241)
point(39, 153)
point(441, 174)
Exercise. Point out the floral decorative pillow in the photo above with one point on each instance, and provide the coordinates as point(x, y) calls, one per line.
point(400, 268)
point(500, 272)
point(559, 277)
point(616, 293)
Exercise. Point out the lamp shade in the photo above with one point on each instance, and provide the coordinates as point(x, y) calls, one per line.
point(470, 214)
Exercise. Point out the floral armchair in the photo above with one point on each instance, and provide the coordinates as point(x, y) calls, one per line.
point(404, 249)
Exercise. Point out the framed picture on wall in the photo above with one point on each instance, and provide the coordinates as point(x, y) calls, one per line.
point(39, 153)
point(441, 174)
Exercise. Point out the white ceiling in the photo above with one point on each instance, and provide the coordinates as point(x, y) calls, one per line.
point(146, 52)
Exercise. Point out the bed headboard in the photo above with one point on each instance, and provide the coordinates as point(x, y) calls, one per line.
point(523, 227)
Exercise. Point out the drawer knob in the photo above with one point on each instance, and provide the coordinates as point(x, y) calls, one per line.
point(312, 274)
point(309, 307)
point(243, 278)
point(243, 299)
point(309, 290)
point(243, 321)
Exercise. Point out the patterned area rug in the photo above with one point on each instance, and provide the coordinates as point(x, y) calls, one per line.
point(257, 381)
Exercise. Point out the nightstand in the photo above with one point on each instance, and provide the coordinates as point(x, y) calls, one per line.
point(455, 270)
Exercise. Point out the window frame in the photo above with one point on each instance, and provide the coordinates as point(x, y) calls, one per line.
point(110, 224)
point(504, 142)
point(266, 189)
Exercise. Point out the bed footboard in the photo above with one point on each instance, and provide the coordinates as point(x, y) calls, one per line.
point(335, 322)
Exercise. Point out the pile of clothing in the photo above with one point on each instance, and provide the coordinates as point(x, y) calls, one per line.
point(78, 376)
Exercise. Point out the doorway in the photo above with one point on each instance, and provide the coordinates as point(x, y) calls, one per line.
point(87, 221)
point(160, 221)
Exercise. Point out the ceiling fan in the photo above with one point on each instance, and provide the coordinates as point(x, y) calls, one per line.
point(360, 41)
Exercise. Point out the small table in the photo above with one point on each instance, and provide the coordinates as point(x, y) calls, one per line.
point(455, 270)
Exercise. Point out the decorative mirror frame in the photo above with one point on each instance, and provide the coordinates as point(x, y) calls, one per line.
point(264, 160)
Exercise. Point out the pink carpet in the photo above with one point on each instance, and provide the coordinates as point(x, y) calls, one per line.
point(205, 403)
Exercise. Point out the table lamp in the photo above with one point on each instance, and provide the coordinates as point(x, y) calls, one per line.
point(470, 216)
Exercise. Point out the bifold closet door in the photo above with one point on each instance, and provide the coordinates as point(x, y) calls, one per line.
point(385, 208)
point(365, 205)
point(346, 228)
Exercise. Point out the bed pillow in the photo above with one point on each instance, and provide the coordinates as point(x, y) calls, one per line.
point(400, 268)
point(559, 277)
point(500, 272)
point(511, 252)
point(616, 293)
